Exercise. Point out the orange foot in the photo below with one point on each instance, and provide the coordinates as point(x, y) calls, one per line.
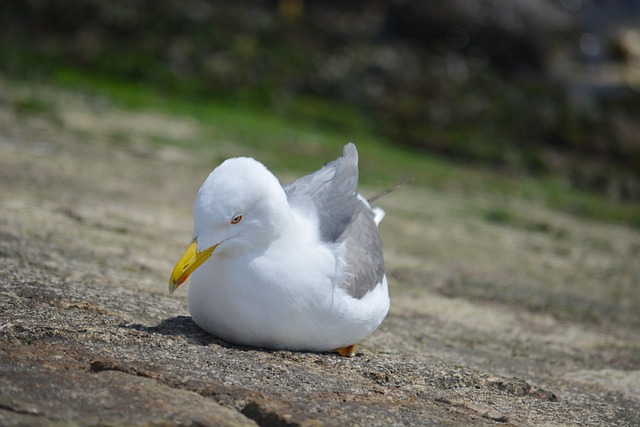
point(348, 351)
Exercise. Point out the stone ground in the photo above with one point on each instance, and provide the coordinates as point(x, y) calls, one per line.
point(528, 317)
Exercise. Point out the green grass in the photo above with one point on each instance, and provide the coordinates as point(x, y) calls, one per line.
point(500, 215)
point(298, 138)
point(32, 105)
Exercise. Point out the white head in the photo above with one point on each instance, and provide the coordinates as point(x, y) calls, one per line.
point(240, 204)
point(240, 207)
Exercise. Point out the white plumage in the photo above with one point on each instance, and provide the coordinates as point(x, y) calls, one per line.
point(296, 268)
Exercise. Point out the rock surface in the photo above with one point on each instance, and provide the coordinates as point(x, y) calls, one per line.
point(531, 322)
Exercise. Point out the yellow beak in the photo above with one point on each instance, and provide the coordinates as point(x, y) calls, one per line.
point(189, 262)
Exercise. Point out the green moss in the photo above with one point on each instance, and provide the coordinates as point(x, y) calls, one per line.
point(498, 216)
point(32, 105)
point(291, 141)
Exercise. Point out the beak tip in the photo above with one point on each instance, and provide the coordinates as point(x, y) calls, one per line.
point(189, 262)
point(174, 284)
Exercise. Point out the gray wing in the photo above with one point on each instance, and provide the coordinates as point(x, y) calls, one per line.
point(343, 217)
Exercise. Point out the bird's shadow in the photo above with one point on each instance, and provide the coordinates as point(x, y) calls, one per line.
point(185, 327)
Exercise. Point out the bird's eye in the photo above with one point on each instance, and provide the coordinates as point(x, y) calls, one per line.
point(236, 219)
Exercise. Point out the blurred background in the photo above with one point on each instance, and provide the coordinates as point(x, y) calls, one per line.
point(536, 87)
point(512, 257)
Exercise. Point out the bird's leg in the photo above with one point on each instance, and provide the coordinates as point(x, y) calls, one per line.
point(348, 351)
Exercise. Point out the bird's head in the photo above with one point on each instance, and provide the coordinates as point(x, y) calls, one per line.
point(239, 208)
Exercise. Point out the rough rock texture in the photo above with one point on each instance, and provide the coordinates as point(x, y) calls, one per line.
point(530, 322)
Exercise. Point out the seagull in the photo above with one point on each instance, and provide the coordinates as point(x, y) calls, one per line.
point(298, 267)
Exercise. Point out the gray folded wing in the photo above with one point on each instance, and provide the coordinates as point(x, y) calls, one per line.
point(343, 217)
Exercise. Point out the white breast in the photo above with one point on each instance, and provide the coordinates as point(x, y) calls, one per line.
point(283, 298)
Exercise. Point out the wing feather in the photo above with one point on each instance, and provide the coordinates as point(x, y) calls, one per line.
point(343, 216)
